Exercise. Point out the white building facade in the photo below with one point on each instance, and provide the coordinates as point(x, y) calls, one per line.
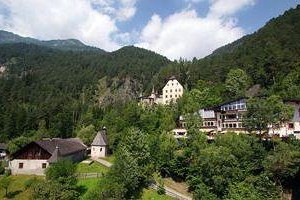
point(292, 127)
point(172, 91)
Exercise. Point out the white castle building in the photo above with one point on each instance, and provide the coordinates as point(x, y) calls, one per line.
point(170, 93)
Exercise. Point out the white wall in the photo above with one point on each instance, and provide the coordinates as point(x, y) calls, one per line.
point(30, 167)
point(98, 151)
point(284, 130)
point(172, 91)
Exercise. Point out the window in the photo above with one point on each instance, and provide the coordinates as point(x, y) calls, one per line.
point(175, 95)
point(21, 165)
point(175, 90)
point(44, 165)
point(234, 125)
point(100, 149)
point(166, 96)
point(291, 125)
point(170, 96)
point(179, 90)
point(166, 91)
point(170, 90)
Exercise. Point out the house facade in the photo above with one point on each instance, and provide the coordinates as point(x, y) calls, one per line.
point(172, 91)
point(99, 145)
point(35, 157)
point(293, 126)
point(228, 117)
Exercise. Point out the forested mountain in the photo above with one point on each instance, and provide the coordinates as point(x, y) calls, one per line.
point(67, 45)
point(46, 87)
point(271, 56)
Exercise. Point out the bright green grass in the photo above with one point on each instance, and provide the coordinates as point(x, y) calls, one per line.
point(87, 185)
point(149, 194)
point(92, 168)
point(17, 189)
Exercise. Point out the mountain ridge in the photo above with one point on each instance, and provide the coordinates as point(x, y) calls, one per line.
point(7, 37)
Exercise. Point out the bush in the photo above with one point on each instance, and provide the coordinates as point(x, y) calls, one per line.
point(2, 169)
point(161, 190)
point(30, 182)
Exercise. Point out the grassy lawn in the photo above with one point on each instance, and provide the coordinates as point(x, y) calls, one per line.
point(17, 189)
point(92, 168)
point(149, 194)
point(110, 158)
point(87, 184)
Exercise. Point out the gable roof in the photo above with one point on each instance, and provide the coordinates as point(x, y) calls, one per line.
point(100, 139)
point(66, 146)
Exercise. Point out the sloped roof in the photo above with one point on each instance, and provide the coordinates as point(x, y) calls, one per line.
point(56, 155)
point(66, 146)
point(100, 139)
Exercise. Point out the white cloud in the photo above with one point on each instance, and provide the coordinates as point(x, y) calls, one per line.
point(91, 21)
point(228, 7)
point(185, 34)
point(121, 10)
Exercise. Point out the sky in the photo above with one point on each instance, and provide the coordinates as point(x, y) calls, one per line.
point(173, 28)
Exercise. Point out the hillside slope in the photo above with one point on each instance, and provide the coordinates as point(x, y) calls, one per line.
point(46, 87)
point(268, 55)
point(65, 45)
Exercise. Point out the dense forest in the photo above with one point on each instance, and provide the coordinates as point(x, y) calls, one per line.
point(50, 92)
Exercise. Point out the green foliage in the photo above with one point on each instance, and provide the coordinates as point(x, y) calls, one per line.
point(262, 113)
point(60, 182)
point(283, 163)
point(203, 95)
point(237, 82)
point(5, 183)
point(243, 191)
point(30, 182)
point(53, 190)
point(18, 143)
point(63, 172)
point(2, 169)
point(131, 170)
point(87, 134)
